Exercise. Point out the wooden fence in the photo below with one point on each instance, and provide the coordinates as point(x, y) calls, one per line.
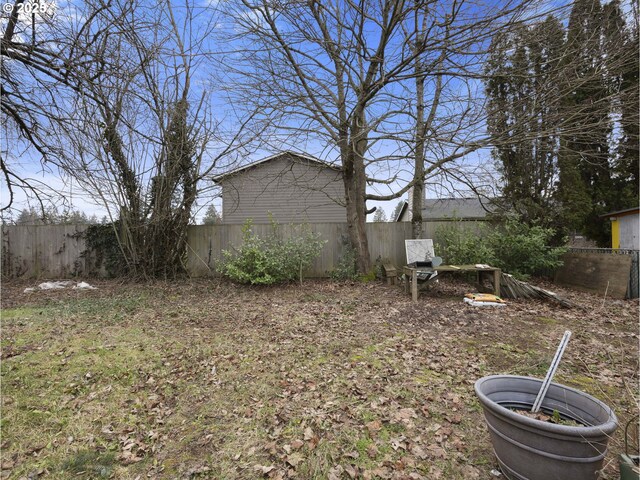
point(58, 251)
point(43, 251)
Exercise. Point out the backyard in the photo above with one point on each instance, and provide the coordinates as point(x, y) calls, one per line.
point(206, 379)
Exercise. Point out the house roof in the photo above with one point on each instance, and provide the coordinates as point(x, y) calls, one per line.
point(435, 209)
point(620, 213)
point(448, 208)
point(293, 155)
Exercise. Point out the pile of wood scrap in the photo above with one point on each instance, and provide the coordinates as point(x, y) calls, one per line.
point(512, 288)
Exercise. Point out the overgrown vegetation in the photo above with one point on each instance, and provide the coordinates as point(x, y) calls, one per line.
point(524, 250)
point(140, 139)
point(271, 259)
point(513, 246)
point(103, 250)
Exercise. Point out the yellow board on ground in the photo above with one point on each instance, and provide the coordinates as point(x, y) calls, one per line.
point(484, 297)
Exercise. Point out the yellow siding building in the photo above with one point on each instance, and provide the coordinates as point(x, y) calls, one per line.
point(625, 228)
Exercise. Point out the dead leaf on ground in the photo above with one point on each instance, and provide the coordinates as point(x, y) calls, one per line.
point(335, 473)
point(372, 450)
point(294, 459)
point(373, 427)
point(263, 469)
point(437, 451)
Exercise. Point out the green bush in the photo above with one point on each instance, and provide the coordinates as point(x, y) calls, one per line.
point(524, 250)
point(270, 260)
point(460, 245)
point(513, 246)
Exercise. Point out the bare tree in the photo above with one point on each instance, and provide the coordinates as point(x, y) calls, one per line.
point(121, 101)
point(337, 74)
point(447, 101)
point(144, 137)
point(40, 52)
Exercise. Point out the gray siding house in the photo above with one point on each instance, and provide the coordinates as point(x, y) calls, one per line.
point(292, 187)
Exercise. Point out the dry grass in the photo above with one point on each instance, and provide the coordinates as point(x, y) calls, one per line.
point(210, 380)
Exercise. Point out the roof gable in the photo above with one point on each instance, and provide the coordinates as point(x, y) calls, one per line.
point(292, 156)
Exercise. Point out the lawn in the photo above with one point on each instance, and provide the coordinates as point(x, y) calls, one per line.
point(204, 379)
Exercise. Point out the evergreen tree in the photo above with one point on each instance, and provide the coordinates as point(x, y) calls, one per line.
point(379, 215)
point(31, 216)
point(51, 216)
point(211, 216)
point(523, 110)
point(584, 172)
point(563, 113)
point(622, 49)
point(598, 173)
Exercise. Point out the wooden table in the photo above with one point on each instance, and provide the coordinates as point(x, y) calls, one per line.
point(412, 276)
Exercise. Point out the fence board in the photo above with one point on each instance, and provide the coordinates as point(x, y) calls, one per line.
point(34, 251)
point(55, 251)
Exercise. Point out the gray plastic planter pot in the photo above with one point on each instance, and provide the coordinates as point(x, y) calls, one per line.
point(530, 449)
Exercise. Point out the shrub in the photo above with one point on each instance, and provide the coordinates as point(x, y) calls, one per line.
point(270, 260)
point(524, 250)
point(251, 262)
point(460, 245)
point(513, 246)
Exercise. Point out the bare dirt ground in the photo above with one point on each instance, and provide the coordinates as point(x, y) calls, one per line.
point(205, 379)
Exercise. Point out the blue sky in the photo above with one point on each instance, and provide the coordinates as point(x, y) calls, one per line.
point(68, 12)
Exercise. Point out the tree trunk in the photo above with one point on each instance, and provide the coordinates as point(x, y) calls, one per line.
point(417, 191)
point(418, 195)
point(354, 188)
point(355, 185)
